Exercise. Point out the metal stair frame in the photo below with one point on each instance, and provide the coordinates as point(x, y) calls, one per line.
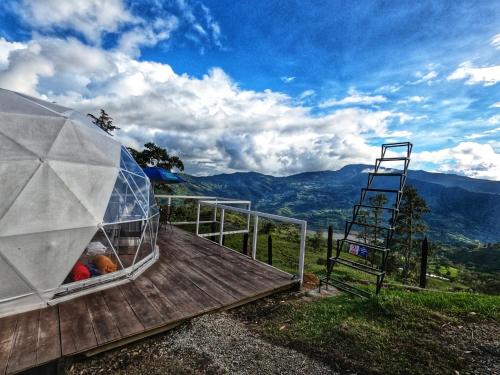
point(380, 271)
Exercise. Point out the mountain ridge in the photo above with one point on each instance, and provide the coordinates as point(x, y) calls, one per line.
point(462, 208)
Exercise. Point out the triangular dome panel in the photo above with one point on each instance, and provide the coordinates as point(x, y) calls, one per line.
point(33, 210)
point(34, 134)
point(10, 102)
point(101, 149)
point(45, 259)
point(12, 284)
point(15, 176)
point(90, 183)
point(11, 150)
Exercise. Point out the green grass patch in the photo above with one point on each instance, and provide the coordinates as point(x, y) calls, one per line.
point(396, 333)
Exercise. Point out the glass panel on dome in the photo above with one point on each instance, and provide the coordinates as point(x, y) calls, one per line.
point(123, 204)
point(140, 188)
point(153, 207)
point(128, 163)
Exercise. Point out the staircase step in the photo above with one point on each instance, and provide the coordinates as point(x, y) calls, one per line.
point(359, 243)
point(376, 190)
point(358, 266)
point(339, 284)
point(397, 158)
point(369, 225)
point(378, 207)
point(386, 174)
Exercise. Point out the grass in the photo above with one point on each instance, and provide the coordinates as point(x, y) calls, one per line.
point(398, 332)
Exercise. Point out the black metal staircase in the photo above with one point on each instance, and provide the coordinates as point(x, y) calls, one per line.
point(355, 248)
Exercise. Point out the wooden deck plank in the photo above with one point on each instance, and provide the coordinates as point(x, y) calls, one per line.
point(77, 331)
point(8, 327)
point(193, 276)
point(103, 321)
point(124, 315)
point(144, 310)
point(208, 285)
point(49, 341)
point(23, 354)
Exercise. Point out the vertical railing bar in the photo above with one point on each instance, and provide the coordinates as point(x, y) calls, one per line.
point(221, 226)
point(254, 238)
point(248, 216)
point(198, 219)
point(302, 251)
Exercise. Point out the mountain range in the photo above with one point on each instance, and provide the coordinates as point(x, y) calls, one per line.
point(463, 209)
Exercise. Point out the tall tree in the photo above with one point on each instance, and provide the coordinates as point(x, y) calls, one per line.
point(153, 154)
point(410, 225)
point(378, 202)
point(104, 121)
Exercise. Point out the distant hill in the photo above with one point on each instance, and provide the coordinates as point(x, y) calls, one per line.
point(462, 208)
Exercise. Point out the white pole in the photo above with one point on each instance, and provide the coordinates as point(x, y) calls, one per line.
point(215, 211)
point(221, 226)
point(248, 216)
point(198, 220)
point(255, 233)
point(302, 251)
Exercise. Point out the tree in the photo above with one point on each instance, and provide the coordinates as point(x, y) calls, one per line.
point(104, 121)
point(153, 154)
point(410, 225)
point(378, 201)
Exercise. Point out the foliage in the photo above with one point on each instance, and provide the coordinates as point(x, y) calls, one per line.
point(104, 121)
point(409, 226)
point(153, 154)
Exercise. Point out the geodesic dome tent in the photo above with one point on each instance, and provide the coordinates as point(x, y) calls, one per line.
point(65, 184)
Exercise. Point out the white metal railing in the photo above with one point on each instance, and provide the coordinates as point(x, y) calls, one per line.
point(227, 201)
point(255, 214)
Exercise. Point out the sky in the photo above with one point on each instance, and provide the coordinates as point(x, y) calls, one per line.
point(277, 87)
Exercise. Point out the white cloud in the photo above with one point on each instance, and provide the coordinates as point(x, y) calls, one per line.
point(354, 98)
point(148, 35)
point(467, 158)
point(424, 78)
point(5, 49)
point(495, 41)
point(486, 75)
point(307, 94)
point(412, 99)
point(89, 17)
point(494, 120)
point(287, 79)
point(211, 122)
point(495, 105)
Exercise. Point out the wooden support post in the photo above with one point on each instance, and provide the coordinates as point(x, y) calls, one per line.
point(423, 263)
point(329, 249)
point(270, 250)
point(245, 244)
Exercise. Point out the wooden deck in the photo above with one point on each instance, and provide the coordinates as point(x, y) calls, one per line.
point(192, 277)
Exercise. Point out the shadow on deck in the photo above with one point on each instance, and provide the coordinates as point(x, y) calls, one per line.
point(192, 277)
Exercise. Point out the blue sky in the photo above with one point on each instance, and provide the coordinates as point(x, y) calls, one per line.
point(279, 87)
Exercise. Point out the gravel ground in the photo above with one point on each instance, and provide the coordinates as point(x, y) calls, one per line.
point(480, 345)
point(210, 344)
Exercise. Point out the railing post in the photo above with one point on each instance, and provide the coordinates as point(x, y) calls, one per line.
point(270, 250)
point(255, 234)
point(329, 248)
point(221, 226)
point(248, 216)
point(198, 219)
point(303, 232)
point(215, 210)
point(245, 244)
